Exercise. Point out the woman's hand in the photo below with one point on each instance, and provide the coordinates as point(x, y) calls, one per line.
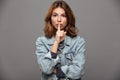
point(60, 35)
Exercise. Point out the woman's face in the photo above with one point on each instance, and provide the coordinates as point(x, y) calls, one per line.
point(59, 17)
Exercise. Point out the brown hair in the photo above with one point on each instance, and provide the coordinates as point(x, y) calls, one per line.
point(71, 30)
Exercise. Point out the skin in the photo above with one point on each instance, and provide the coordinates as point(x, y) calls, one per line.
point(59, 22)
point(59, 18)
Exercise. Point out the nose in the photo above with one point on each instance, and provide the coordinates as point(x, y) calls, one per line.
point(59, 19)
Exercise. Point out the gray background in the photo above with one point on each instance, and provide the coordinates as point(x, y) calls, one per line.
point(22, 21)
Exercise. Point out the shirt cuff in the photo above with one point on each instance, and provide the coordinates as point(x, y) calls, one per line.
point(60, 73)
point(54, 55)
point(48, 55)
point(64, 69)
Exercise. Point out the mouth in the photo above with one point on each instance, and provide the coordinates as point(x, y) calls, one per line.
point(60, 25)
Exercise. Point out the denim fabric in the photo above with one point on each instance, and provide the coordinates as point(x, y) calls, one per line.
point(72, 57)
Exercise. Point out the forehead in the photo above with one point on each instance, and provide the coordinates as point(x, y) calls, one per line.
point(59, 10)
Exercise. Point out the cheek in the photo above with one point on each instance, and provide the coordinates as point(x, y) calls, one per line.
point(65, 22)
point(53, 21)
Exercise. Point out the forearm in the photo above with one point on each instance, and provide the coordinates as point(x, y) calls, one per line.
point(54, 47)
point(76, 69)
point(46, 62)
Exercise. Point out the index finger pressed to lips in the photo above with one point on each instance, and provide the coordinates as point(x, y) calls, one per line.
point(58, 27)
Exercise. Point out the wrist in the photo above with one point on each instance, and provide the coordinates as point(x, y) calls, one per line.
point(57, 39)
point(56, 42)
point(54, 47)
point(54, 55)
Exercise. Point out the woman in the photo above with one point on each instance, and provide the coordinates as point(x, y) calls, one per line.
point(60, 53)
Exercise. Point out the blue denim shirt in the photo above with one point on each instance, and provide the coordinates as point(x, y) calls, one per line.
point(72, 57)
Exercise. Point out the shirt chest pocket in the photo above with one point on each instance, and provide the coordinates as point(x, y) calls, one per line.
point(70, 56)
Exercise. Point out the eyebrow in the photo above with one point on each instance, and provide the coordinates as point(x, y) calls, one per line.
point(57, 13)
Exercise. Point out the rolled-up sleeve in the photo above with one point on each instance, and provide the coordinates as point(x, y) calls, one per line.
point(76, 69)
point(45, 61)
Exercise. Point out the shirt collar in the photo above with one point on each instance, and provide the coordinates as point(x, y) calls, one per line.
point(66, 42)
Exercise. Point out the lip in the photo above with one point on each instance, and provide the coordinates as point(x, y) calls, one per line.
point(60, 25)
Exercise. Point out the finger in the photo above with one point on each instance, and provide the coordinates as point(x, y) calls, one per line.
point(58, 27)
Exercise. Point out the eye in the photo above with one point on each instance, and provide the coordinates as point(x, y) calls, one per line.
point(63, 15)
point(54, 15)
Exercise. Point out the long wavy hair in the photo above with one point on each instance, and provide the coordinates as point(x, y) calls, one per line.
point(70, 28)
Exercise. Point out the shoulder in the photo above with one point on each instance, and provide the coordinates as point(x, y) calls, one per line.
point(78, 39)
point(79, 43)
point(43, 39)
point(40, 39)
